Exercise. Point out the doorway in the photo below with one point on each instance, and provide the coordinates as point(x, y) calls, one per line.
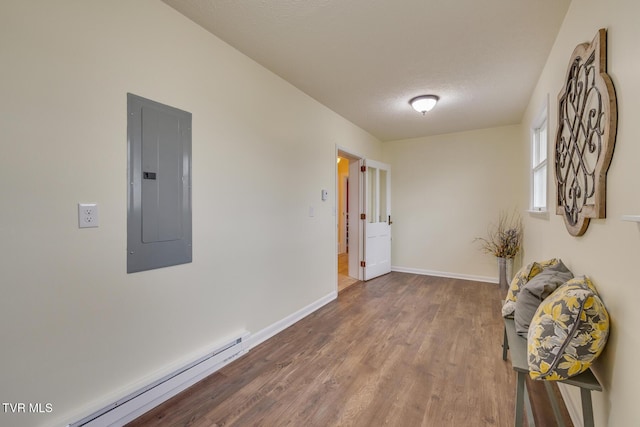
point(363, 211)
point(348, 233)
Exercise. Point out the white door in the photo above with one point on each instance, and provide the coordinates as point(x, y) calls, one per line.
point(355, 229)
point(377, 219)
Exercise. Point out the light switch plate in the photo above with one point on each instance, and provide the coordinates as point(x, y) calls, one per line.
point(87, 215)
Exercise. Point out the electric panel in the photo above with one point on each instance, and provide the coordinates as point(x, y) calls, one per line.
point(159, 172)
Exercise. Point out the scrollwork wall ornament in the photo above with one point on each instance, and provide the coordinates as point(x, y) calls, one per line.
point(587, 124)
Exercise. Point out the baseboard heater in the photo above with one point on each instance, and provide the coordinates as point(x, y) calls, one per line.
point(137, 403)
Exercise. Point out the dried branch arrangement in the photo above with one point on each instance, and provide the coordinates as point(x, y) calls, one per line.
point(504, 239)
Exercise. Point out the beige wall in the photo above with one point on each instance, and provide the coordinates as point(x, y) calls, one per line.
point(609, 250)
point(78, 331)
point(446, 189)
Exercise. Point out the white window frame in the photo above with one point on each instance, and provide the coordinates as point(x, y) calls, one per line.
point(538, 165)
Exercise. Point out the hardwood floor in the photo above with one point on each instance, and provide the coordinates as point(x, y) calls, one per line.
point(344, 280)
point(400, 350)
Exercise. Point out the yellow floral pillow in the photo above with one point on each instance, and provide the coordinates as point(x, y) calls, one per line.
point(521, 278)
point(568, 331)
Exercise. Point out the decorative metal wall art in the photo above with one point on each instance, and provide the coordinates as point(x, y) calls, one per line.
point(587, 124)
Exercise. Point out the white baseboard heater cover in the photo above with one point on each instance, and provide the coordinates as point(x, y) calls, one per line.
point(137, 403)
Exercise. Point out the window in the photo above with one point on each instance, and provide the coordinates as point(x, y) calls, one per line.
point(539, 164)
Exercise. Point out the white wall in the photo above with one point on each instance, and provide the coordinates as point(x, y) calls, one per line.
point(446, 189)
point(78, 331)
point(609, 250)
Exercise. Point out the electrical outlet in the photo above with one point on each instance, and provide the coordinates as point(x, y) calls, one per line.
point(87, 215)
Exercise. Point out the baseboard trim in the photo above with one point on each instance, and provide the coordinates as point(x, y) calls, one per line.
point(444, 274)
point(271, 330)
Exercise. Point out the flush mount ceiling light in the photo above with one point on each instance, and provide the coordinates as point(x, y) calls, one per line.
point(424, 103)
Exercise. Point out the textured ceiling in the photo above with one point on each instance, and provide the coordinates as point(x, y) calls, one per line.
point(365, 59)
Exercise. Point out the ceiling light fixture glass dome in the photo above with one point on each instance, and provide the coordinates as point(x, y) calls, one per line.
point(424, 103)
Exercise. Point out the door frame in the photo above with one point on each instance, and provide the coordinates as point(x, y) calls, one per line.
point(356, 246)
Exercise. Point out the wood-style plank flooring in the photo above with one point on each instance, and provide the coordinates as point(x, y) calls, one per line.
point(400, 350)
point(344, 280)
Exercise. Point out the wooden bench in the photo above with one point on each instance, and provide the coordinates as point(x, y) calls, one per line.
point(517, 346)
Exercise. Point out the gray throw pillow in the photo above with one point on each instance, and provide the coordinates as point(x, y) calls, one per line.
point(535, 291)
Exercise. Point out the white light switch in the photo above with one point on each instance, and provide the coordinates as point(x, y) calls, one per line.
point(87, 215)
